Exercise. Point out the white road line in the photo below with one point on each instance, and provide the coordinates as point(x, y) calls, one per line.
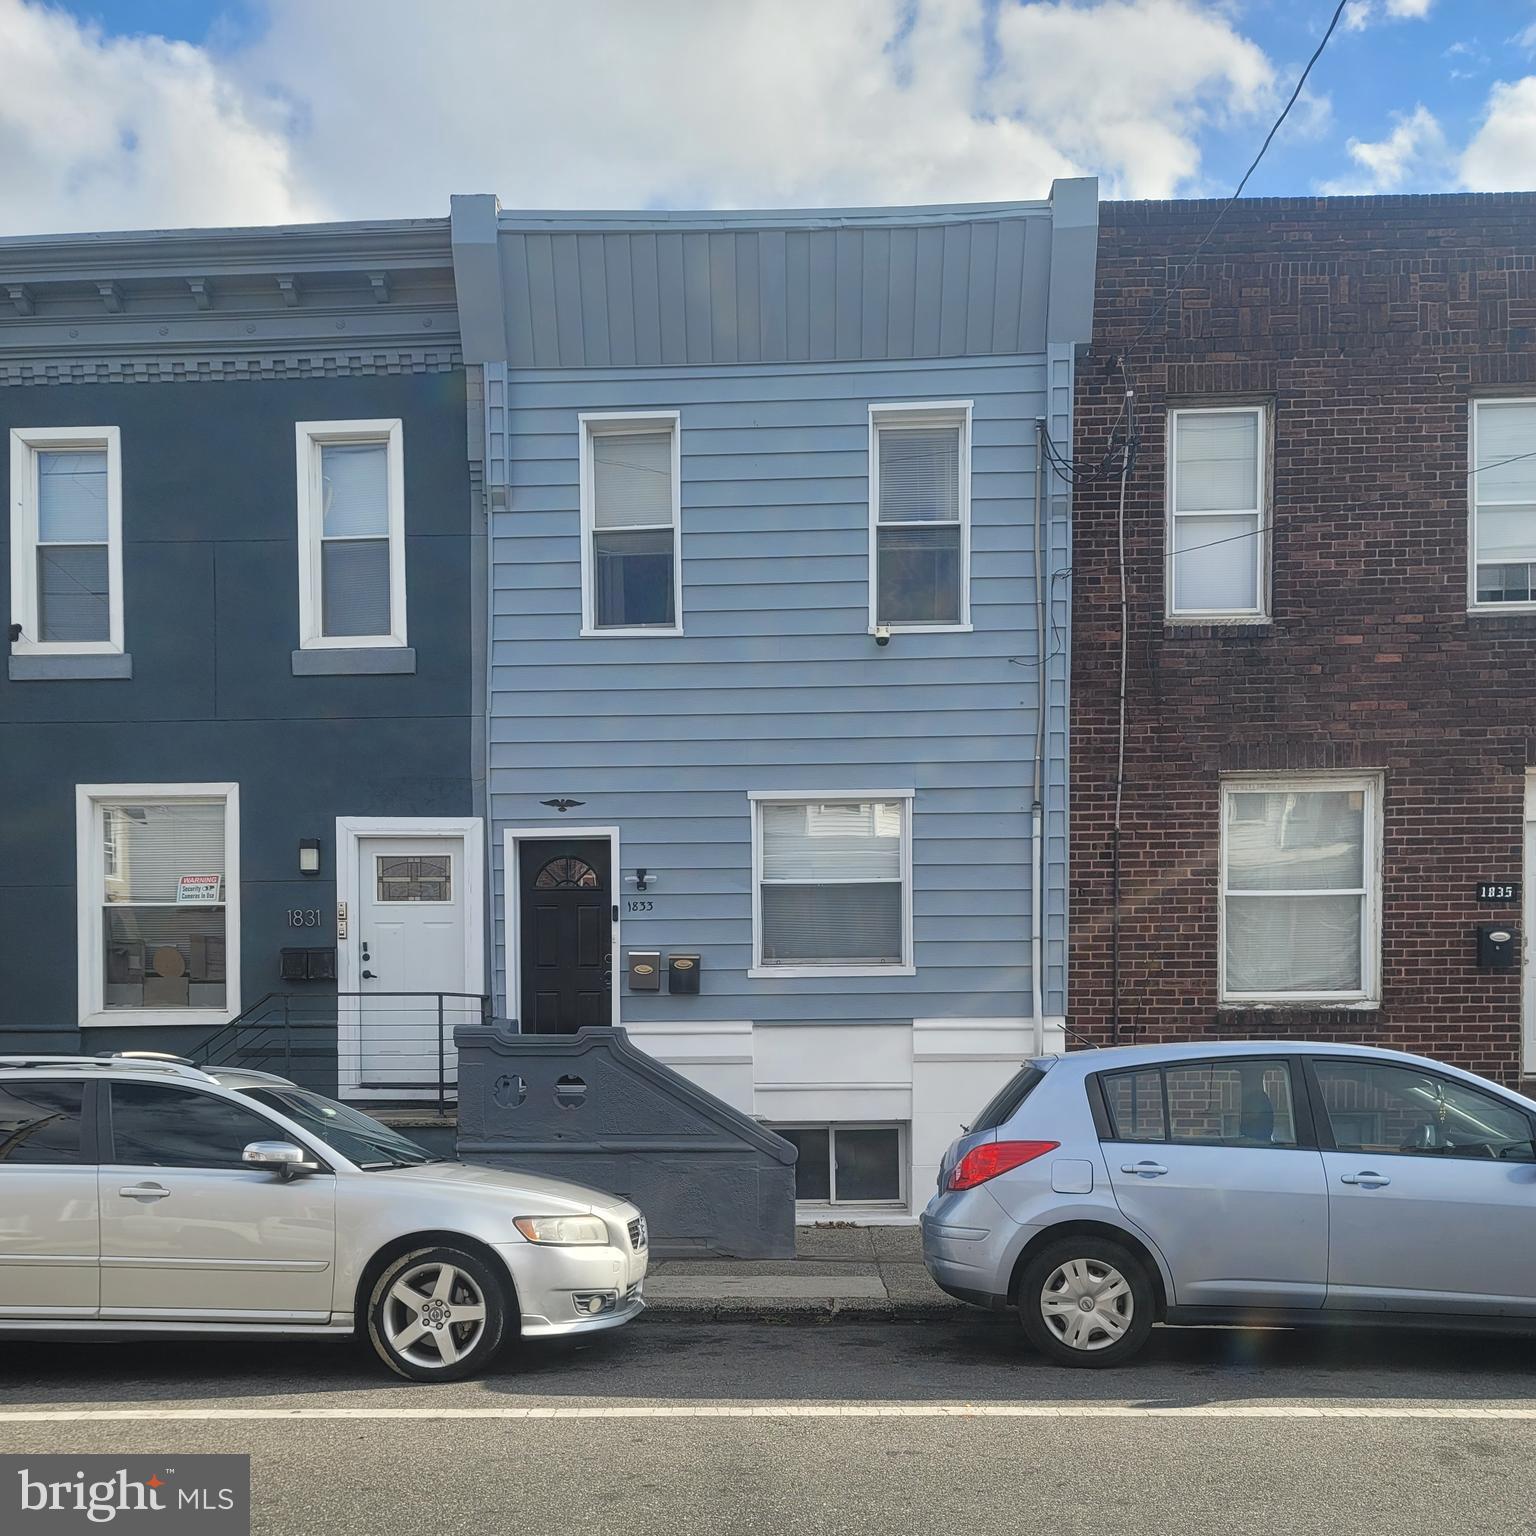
point(781, 1411)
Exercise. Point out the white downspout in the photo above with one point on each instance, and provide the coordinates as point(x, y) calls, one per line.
point(1037, 782)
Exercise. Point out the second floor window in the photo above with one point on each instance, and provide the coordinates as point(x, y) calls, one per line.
point(1217, 462)
point(351, 495)
point(920, 513)
point(67, 539)
point(631, 555)
point(1503, 503)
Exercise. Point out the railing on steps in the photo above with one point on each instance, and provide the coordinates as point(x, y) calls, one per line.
point(383, 1047)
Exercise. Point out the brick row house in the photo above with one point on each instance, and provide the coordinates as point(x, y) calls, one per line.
point(1329, 582)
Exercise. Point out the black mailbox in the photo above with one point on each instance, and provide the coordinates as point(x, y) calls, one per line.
point(1496, 946)
point(308, 965)
point(683, 974)
point(644, 970)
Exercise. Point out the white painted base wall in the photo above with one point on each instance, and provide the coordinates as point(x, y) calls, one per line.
point(932, 1075)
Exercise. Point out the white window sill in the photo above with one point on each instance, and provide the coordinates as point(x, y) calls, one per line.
point(891, 1213)
point(158, 1018)
point(643, 632)
point(773, 972)
point(351, 642)
point(1493, 610)
point(1357, 1004)
point(926, 629)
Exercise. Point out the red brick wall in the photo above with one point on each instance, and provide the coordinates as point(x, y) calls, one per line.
point(1369, 324)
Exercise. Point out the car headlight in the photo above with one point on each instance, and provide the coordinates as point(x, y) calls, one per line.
point(568, 1231)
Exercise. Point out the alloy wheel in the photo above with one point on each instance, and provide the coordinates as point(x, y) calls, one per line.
point(1087, 1304)
point(433, 1315)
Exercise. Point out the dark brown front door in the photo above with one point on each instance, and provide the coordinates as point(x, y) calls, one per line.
point(566, 935)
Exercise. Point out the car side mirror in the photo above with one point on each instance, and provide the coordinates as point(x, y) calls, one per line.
point(280, 1157)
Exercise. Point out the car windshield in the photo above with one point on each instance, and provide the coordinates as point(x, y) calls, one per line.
point(358, 1137)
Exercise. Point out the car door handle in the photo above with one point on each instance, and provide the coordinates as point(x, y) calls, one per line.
point(144, 1192)
point(1147, 1170)
point(1365, 1179)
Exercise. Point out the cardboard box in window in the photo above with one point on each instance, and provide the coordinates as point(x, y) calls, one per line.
point(206, 994)
point(207, 957)
point(165, 991)
point(125, 963)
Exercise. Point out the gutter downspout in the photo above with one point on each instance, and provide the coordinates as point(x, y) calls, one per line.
point(1037, 779)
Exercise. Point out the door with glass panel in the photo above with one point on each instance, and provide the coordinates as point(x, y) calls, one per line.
point(565, 934)
point(411, 941)
point(50, 1241)
point(1215, 1161)
point(1431, 1191)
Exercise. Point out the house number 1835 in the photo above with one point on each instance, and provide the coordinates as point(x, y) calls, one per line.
point(303, 917)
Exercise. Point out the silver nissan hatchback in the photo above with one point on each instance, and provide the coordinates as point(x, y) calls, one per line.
point(149, 1197)
point(1276, 1183)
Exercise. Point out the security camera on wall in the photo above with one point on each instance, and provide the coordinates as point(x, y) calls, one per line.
point(882, 634)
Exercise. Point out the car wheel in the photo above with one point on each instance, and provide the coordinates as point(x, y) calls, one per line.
point(437, 1314)
point(1086, 1301)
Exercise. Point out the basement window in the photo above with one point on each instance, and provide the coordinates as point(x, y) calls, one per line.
point(847, 1164)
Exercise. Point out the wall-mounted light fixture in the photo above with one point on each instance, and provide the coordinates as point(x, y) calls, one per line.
point(642, 879)
point(309, 855)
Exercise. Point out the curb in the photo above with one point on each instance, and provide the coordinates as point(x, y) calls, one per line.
point(784, 1314)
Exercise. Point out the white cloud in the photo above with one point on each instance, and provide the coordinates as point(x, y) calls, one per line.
point(1502, 153)
point(376, 108)
point(115, 133)
point(1413, 157)
point(1362, 13)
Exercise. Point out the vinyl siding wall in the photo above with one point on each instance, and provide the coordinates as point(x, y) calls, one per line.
point(776, 683)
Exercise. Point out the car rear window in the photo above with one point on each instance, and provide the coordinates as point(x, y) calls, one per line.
point(1006, 1103)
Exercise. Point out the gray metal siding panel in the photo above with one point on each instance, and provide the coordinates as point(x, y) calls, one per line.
point(638, 298)
point(776, 684)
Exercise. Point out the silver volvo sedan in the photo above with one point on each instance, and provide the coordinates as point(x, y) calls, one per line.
point(148, 1197)
point(1106, 1190)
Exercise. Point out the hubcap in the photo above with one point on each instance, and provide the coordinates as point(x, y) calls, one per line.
point(434, 1315)
point(1087, 1304)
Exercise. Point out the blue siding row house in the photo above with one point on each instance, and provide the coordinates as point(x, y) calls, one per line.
point(777, 677)
point(240, 698)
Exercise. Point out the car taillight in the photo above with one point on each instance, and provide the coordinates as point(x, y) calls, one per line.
point(995, 1157)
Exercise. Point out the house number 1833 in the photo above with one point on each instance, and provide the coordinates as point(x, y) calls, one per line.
point(303, 917)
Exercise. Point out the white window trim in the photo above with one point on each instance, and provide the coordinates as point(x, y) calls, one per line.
point(26, 444)
point(309, 438)
point(903, 1131)
point(1370, 785)
point(1260, 612)
point(592, 424)
point(759, 797)
point(1473, 606)
point(89, 880)
point(920, 413)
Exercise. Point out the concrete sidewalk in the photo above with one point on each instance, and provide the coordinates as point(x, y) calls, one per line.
point(850, 1273)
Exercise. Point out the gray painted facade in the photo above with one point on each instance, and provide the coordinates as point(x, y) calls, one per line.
point(772, 335)
point(203, 349)
point(592, 1108)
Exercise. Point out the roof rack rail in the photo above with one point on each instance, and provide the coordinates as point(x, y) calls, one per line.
point(172, 1066)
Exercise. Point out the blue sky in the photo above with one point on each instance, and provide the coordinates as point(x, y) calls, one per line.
point(142, 112)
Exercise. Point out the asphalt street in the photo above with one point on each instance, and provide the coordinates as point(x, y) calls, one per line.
point(682, 1427)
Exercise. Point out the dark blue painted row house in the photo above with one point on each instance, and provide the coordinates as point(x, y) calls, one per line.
point(239, 720)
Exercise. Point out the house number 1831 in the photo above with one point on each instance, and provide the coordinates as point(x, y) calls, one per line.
point(303, 917)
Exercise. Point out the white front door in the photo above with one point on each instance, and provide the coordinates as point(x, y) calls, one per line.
point(410, 940)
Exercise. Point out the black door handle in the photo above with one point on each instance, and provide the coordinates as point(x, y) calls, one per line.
point(369, 976)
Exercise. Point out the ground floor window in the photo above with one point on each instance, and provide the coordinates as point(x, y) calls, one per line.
point(159, 894)
point(848, 1164)
point(1300, 889)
